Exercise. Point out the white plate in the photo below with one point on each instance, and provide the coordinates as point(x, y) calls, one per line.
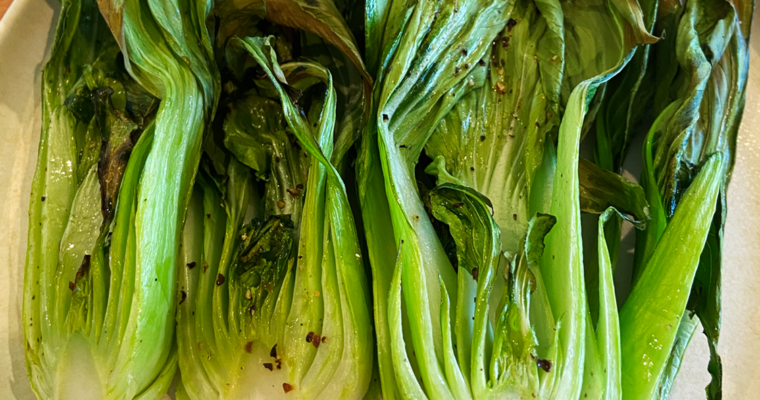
point(26, 33)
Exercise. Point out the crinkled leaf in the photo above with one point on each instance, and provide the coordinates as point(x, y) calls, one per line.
point(255, 132)
point(319, 17)
point(417, 86)
point(493, 139)
point(601, 189)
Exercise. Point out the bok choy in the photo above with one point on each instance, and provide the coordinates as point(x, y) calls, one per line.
point(319, 199)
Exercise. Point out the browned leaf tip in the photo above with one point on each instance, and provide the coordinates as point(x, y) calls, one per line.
point(337, 33)
point(113, 16)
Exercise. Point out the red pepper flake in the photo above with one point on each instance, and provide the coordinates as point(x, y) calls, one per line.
point(475, 274)
point(191, 265)
point(299, 186)
point(248, 347)
point(287, 387)
point(72, 286)
point(514, 217)
point(184, 296)
point(385, 118)
point(294, 192)
point(316, 340)
point(481, 63)
point(511, 24)
point(219, 280)
point(269, 366)
point(324, 339)
point(464, 51)
point(309, 337)
point(278, 364)
point(43, 198)
point(545, 365)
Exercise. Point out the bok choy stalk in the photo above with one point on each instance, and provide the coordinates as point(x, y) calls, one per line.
point(562, 267)
point(603, 347)
point(272, 315)
point(513, 368)
point(80, 275)
point(420, 62)
point(703, 88)
point(521, 91)
point(167, 48)
point(660, 295)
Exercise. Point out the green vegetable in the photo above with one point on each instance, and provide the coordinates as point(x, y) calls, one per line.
point(706, 80)
point(170, 234)
point(660, 296)
point(80, 278)
point(493, 141)
point(274, 304)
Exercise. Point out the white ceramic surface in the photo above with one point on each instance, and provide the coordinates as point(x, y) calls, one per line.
point(26, 33)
